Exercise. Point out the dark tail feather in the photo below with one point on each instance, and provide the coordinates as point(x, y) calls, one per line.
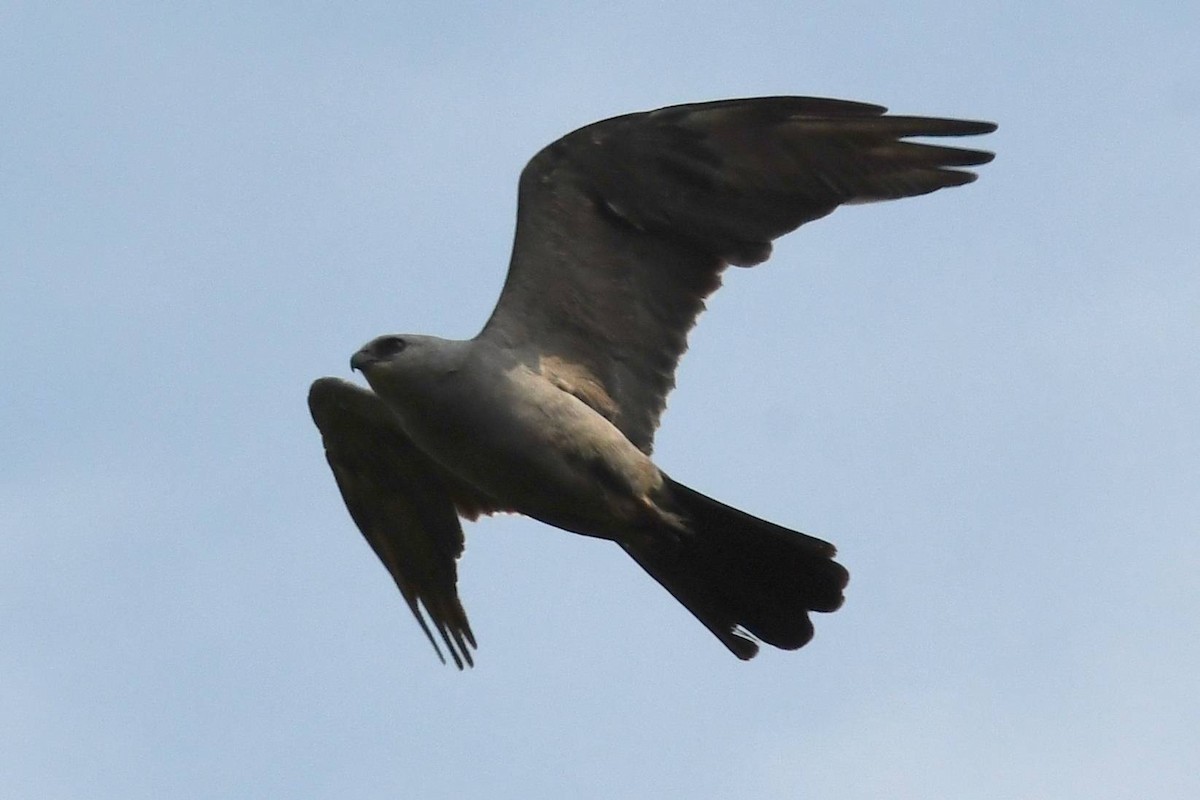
point(742, 576)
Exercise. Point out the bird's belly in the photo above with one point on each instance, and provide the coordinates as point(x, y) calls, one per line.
point(537, 450)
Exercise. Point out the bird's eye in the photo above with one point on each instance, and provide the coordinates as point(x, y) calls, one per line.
point(389, 346)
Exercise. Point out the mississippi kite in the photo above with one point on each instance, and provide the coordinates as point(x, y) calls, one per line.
point(623, 228)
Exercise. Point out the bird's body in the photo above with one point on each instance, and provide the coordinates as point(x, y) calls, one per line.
point(497, 422)
point(624, 227)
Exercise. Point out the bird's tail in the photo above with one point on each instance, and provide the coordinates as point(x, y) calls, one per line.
point(745, 578)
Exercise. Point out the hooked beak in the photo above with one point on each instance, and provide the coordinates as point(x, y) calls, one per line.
point(362, 359)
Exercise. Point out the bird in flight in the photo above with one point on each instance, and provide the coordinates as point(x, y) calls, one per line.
point(624, 227)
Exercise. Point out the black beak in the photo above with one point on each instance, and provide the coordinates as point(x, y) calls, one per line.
point(362, 359)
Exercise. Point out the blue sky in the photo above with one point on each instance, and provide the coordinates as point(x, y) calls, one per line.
point(987, 398)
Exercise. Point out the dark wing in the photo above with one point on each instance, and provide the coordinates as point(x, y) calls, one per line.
point(624, 227)
point(403, 503)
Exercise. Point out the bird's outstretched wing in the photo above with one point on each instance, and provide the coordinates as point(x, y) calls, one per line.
point(403, 503)
point(624, 227)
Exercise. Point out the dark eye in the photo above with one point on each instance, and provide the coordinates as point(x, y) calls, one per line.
point(389, 346)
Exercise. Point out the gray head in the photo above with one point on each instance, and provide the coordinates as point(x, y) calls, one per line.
point(381, 349)
point(404, 358)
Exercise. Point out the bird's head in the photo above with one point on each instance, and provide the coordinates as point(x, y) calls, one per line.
point(379, 351)
point(406, 362)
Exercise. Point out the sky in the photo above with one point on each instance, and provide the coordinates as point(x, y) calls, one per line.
point(985, 397)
